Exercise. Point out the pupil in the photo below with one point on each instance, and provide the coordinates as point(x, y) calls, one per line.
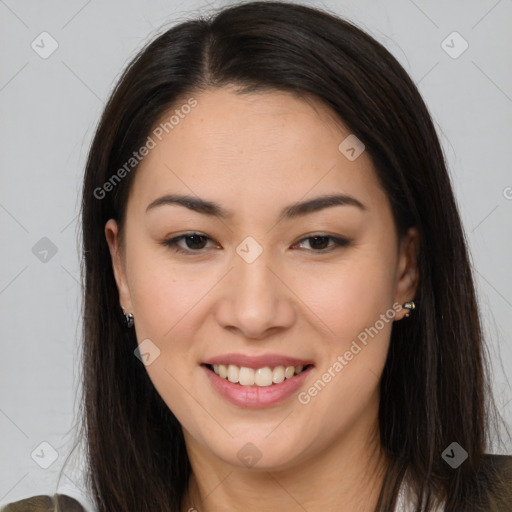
point(195, 240)
point(315, 244)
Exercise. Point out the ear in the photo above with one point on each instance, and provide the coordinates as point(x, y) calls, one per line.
point(118, 264)
point(407, 270)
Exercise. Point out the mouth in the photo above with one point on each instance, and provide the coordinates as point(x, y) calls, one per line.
point(261, 377)
point(253, 388)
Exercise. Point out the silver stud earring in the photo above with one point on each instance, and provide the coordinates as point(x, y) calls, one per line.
point(128, 319)
point(409, 306)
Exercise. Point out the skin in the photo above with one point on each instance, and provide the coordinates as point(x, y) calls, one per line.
point(254, 154)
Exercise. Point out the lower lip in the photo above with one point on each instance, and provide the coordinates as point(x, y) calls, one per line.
point(256, 396)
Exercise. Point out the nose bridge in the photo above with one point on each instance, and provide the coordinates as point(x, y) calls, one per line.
point(256, 300)
point(254, 282)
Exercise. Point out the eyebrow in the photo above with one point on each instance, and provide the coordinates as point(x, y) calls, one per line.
point(294, 210)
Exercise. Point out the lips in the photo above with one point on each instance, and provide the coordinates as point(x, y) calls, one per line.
point(256, 381)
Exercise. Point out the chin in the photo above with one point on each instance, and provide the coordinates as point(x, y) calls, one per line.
point(258, 452)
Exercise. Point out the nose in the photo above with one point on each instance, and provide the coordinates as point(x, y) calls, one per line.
point(256, 300)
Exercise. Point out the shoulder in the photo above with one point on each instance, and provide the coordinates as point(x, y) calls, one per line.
point(45, 503)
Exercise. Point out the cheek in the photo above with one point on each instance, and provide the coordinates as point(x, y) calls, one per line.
point(345, 388)
point(163, 295)
point(166, 306)
point(355, 301)
point(352, 295)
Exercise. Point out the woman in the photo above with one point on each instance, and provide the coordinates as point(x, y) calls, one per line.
point(279, 308)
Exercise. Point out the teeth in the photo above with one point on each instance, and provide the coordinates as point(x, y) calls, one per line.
point(262, 377)
point(246, 376)
point(233, 373)
point(278, 374)
point(223, 370)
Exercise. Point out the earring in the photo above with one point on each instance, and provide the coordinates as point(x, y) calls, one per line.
point(409, 306)
point(128, 319)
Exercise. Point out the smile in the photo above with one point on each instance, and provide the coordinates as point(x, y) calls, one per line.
point(262, 377)
point(270, 385)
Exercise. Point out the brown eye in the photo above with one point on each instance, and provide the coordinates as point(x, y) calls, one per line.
point(320, 243)
point(194, 243)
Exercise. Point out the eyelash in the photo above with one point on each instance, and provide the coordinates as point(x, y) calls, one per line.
point(172, 243)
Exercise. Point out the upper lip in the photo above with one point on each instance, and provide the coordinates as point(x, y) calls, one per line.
point(256, 362)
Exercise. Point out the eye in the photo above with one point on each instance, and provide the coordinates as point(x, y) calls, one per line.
point(195, 243)
point(320, 242)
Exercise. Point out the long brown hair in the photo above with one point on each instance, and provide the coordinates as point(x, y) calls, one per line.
point(434, 389)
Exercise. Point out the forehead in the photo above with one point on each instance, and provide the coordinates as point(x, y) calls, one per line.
point(271, 146)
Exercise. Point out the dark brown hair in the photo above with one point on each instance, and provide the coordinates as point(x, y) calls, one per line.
point(434, 388)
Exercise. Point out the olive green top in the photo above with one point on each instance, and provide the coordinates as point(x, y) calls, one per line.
point(45, 503)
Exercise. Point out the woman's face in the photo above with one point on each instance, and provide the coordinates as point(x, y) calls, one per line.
point(267, 285)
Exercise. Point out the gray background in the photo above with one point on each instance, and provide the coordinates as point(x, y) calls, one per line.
point(49, 109)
